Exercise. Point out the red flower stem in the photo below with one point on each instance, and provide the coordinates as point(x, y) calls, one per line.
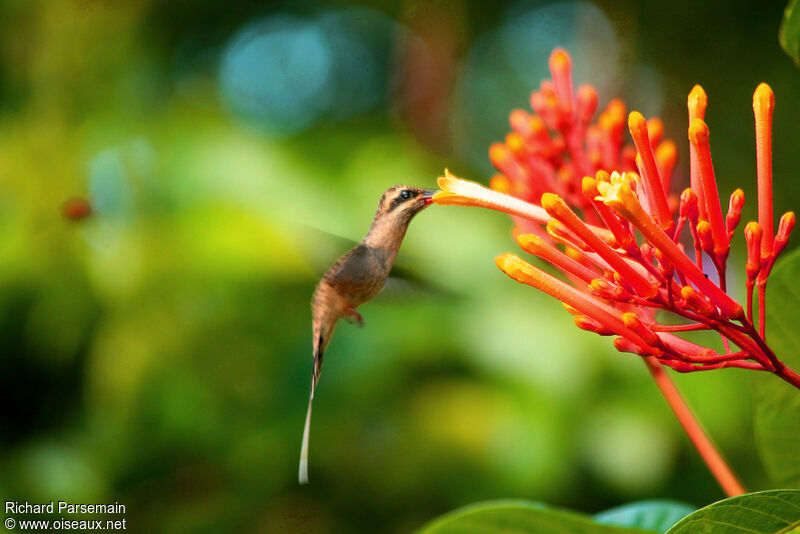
point(703, 362)
point(678, 228)
point(762, 308)
point(750, 286)
point(751, 344)
point(716, 463)
point(789, 375)
point(725, 343)
point(760, 345)
point(678, 327)
point(683, 367)
point(743, 336)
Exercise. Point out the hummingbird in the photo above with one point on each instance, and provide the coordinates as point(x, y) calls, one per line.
point(356, 278)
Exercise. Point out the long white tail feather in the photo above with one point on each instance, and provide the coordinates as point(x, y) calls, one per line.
point(303, 472)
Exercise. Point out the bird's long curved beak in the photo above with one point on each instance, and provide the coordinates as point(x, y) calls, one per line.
point(428, 196)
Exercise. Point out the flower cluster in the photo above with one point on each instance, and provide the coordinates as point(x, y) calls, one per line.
point(601, 212)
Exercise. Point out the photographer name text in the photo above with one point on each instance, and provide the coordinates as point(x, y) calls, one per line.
point(14, 507)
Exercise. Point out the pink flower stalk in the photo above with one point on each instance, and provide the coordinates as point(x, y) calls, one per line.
point(602, 212)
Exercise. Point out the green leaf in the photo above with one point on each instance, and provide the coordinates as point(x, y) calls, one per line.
point(777, 403)
point(767, 512)
point(655, 515)
point(517, 517)
point(789, 34)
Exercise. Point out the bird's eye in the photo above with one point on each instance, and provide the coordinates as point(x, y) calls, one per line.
point(406, 194)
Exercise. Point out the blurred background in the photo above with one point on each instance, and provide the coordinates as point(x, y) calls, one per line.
point(176, 175)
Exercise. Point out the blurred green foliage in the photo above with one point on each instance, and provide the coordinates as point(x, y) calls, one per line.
point(157, 353)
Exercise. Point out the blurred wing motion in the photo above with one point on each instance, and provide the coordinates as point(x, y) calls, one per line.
point(403, 282)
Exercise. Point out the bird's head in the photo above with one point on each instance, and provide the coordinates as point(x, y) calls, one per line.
point(402, 202)
point(396, 208)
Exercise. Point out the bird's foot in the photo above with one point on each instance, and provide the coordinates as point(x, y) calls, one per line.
point(353, 317)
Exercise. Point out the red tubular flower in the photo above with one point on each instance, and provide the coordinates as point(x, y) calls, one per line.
point(697, 103)
point(576, 188)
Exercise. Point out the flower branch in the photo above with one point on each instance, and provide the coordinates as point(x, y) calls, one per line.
point(602, 213)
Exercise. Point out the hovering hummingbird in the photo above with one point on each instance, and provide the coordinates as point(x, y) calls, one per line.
point(356, 278)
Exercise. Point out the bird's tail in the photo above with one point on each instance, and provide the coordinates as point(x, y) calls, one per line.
point(318, 351)
point(303, 472)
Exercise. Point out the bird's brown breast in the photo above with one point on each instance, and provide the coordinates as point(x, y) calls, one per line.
point(360, 274)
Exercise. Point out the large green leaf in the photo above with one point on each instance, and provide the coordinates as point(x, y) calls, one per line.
point(767, 512)
point(518, 517)
point(789, 34)
point(655, 515)
point(777, 404)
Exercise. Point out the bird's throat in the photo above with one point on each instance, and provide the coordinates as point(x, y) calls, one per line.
point(387, 236)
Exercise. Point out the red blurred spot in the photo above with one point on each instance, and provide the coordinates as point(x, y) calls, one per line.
point(76, 209)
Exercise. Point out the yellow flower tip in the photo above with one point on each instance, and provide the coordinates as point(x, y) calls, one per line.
point(752, 231)
point(763, 100)
point(560, 61)
point(604, 189)
point(637, 125)
point(602, 176)
point(688, 195)
point(616, 107)
point(589, 187)
point(553, 204)
point(512, 265)
point(698, 132)
point(704, 232)
point(752, 236)
point(786, 225)
point(656, 129)
point(688, 204)
point(626, 196)
point(530, 242)
point(557, 230)
point(697, 103)
point(519, 269)
point(666, 153)
point(537, 125)
point(630, 319)
point(631, 179)
point(499, 154)
point(608, 122)
point(704, 227)
point(519, 120)
point(574, 253)
point(515, 143)
point(695, 301)
point(737, 201)
point(618, 193)
point(446, 182)
point(598, 284)
point(501, 184)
